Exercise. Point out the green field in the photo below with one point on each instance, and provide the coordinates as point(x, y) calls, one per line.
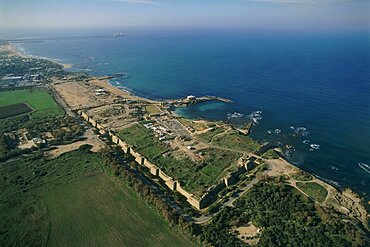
point(270, 154)
point(152, 109)
point(313, 190)
point(39, 99)
point(235, 140)
point(102, 212)
point(14, 110)
point(33, 202)
point(197, 177)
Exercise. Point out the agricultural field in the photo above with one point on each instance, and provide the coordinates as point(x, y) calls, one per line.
point(72, 199)
point(14, 110)
point(102, 212)
point(313, 190)
point(195, 176)
point(23, 217)
point(39, 99)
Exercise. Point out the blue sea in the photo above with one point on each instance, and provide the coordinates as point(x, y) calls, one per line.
point(308, 92)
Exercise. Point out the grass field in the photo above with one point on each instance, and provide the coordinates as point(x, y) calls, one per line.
point(14, 110)
point(237, 141)
point(270, 154)
point(152, 109)
point(313, 190)
point(197, 177)
point(103, 213)
point(37, 193)
point(24, 182)
point(39, 99)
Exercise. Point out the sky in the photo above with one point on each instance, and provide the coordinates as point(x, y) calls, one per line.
point(284, 14)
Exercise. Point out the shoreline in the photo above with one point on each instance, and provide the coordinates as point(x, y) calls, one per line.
point(127, 92)
point(104, 82)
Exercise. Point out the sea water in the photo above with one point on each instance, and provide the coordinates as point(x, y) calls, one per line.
point(308, 93)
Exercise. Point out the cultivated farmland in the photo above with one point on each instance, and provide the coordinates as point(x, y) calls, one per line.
point(98, 211)
point(38, 98)
point(14, 110)
point(72, 200)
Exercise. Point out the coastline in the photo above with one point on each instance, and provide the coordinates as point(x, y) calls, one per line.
point(104, 83)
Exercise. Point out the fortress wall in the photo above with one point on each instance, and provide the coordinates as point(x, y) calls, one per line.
point(93, 122)
point(115, 139)
point(211, 195)
point(148, 164)
point(234, 177)
point(138, 158)
point(171, 184)
point(164, 176)
point(182, 191)
point(249, 165)
point(195, 203)
point(100, 127)
point(84, 115)
point(154, 170)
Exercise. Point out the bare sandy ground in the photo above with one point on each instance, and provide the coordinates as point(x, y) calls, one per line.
point(281, 167)
point(92, 140)
point(117, 91)
point(75, 95)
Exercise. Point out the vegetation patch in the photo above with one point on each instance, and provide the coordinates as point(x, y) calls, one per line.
point(208, 136)
point(24, 182)
point(270, 154)
point(286, 217)
point(313, 190)
point(14, 110)
point(302, 176)
point(195, 176)
point(235, 140)
point(196, 125)
point(98, 211)
point(152, 109)
point(38, 98)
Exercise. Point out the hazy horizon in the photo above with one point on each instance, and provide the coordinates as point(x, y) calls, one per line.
point(217, 14)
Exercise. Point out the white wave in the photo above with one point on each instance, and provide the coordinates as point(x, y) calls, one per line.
point(332, 182)
point(315, 146)
point(234, 115)
point(301, 131)
point(334, 168)
point(364, 167)
point(306, 142)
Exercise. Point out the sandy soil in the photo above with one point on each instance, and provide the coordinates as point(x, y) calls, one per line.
point(117, 91)
point(248, 231)
point(92, 140)
point(281, 167)
point(75, 95)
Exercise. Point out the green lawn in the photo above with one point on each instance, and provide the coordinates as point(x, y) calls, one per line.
point(38, 98)
point(196, 177)
point(97, 211)
point(313, 190)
